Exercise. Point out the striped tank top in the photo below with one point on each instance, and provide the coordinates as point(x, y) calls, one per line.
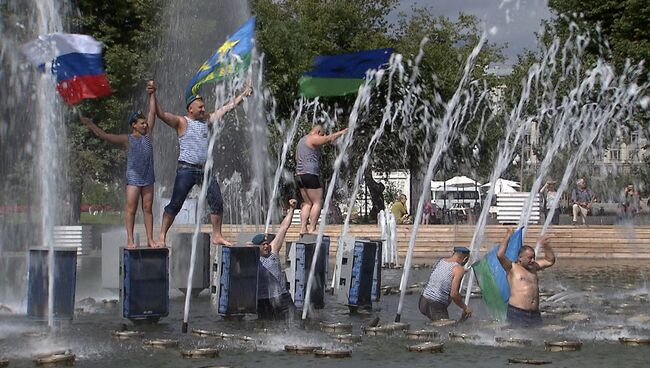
point(193, 144)
point(307, 159)
point(139, 161)
point(438, 288)
point(271, 282)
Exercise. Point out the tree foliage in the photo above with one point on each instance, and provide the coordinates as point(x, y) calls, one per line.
point(128, 29)
point(623, 25)
point(292, 32)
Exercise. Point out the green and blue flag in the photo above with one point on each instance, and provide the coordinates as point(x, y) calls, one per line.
point(492, 279)
point(233, 56)
point(340, 75)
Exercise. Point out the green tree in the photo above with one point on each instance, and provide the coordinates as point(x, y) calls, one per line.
point(623, 25)
point(292, 32)
point(128, 30)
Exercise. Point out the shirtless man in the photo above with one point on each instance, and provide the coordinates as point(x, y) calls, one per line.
point(523, 306)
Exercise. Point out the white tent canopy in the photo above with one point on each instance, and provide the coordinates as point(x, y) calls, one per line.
point(503, 186)
point(461, 181)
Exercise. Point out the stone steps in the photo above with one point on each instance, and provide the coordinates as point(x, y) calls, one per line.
point(594, 241)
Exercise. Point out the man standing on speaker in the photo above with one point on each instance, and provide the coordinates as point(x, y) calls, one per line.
point(273, 299)
point(193, 137)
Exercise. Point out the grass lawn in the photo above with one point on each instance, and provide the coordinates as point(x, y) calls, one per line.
point(101, 218)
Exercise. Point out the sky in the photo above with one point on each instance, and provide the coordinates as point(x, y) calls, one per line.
point(508, 21)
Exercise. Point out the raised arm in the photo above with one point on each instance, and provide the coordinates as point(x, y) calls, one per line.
point(276, 243)
point(549, 255)
point(317, 140)
point(501, 253)
point(174, 121)
point(122, 139)
point(217, 115)
point(542, 189)
point(151, 114)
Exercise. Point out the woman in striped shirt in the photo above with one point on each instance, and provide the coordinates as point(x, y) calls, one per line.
point(139, 165)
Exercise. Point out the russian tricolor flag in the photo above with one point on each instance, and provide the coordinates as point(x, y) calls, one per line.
point(76, 60)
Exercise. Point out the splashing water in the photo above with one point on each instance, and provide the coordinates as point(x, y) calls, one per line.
point(362, 101)
point(283, 156)
point(234, 84)
point(51, 136)
point(598, 99)
point(447, 129)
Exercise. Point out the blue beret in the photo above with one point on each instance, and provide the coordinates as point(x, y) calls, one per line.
point(461, 250)
point(135, 116)
point(191, 99)
point(260, 238)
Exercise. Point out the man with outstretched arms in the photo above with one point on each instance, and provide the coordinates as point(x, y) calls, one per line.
point(193, 135)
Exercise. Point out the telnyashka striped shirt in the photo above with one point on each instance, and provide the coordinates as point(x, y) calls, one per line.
point(438, 288)
point(193, 144)
point(272, 282)
point(139, 161)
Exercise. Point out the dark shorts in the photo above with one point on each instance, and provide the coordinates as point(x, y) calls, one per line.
point(308, 181)
point(186, 177)
point(433, 310)
point(277, 309)
point(523, 318)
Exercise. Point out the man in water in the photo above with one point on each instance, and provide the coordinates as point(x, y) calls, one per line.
point(444, 286)
point(523, 306)
point(193, 135)
point(273, 299)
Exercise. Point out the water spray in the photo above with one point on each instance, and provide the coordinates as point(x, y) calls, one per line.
point(446, 132)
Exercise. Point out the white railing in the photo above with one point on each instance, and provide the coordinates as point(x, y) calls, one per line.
point(78, 237)
point(510, 205)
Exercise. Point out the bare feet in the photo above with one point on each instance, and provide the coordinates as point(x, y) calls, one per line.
point(159, 244)
point(131, 245)
point(220, 240)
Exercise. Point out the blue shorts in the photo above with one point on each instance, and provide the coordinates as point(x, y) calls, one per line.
point(186, 177)
point(518, 317)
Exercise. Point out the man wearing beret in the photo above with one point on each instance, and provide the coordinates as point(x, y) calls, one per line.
point(193, 136)
point(443, 286)
point(273, 299)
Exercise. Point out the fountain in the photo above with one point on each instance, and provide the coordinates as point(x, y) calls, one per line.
point(597, 309)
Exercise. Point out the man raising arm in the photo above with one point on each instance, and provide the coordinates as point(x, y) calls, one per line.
point(193, 136)
point(523, 305)
point(273, 299)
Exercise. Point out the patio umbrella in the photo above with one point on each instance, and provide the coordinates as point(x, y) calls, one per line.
point(461, 181)
point(503, 186)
